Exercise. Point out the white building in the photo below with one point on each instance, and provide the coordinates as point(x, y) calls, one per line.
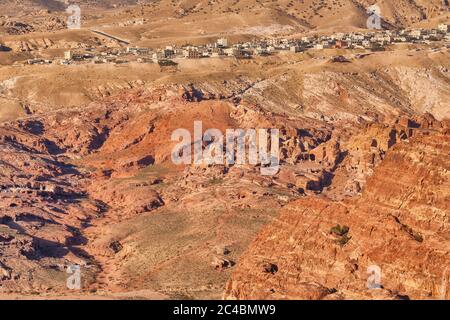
point(416, 34)
point(366, 43)
point(222, 42)
point(400, 39)
point(68, 55)
point(358, 37)
point(339, 36)
point(228, 51)
point(443, 27)
point(155, 57)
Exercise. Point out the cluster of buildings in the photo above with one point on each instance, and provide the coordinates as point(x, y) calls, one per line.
point(110, 56)
point(375, 40)
point(39, 61)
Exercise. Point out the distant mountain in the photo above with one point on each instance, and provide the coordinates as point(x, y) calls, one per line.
point(316, 13)
point(309, 13)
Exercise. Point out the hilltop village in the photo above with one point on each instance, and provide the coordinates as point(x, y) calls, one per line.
point(377, 40)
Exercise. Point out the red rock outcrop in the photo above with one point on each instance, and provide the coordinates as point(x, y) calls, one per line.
point(400, 224)
point(96, 186)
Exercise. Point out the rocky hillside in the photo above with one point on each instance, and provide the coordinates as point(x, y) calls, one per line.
point(94, 186)
point(266, 15)
point(320, 249)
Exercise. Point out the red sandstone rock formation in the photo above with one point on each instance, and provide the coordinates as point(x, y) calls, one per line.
point(400, 224)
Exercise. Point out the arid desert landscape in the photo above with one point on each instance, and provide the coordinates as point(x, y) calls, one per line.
point(95, 96)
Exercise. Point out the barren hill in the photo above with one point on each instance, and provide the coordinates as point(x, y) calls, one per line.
point(299, 15)
point(399, 225)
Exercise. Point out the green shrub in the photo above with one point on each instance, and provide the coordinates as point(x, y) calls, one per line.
point(343, 240)
point(167, 63)
point(342, 233)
